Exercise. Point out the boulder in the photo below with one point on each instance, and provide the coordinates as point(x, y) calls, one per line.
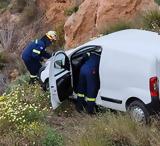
point(94, 16)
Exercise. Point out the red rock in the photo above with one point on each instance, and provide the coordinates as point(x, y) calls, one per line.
point(95, 15)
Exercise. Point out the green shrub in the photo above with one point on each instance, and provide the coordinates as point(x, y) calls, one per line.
point(70, 11)
point(17, 112)
point(34, 133)
point(117, 27)
point(4, 3)
point(18, 6)
point(157, 1)
point(29, 14)
point(151, 20)
point(51, 138)
point(37, 133)
point(29, 93)
point(23, 111)
point(23, 103)
point(59, 44)
point(3, 59)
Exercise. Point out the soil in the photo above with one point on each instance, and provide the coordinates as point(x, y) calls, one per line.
point(69, 123)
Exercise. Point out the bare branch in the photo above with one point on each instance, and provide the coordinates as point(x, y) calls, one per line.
point(6, 34)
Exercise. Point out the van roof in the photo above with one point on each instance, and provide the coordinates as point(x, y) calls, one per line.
point(133, 40)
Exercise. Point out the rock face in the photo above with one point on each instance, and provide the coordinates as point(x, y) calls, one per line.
point(94, 15)
point(54, 10)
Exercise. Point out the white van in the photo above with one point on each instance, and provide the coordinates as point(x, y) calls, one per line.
point(129, 72)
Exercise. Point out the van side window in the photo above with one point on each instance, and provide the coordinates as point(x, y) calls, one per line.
point(61, 63)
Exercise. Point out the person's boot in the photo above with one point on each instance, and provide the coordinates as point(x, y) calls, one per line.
point(80, 104)
point(91, 108)
point(33, 80)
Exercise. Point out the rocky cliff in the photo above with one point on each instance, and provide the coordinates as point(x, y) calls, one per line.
point(95, 15)
point(92, 17)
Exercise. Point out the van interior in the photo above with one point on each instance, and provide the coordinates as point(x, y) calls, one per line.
point(78, 59)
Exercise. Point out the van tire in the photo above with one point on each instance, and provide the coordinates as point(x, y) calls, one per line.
point(138, 112)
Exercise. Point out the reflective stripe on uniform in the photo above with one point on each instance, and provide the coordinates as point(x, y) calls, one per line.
point(36, 51)
point(91, 99)
point(33, 76)
point(36, 41)
point(80, 95)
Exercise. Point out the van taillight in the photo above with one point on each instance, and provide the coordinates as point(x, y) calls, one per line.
point(154, 88)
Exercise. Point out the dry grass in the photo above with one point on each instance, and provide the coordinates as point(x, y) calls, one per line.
point(120, 25)
point(151, 20)
point(119, 130)
point(6, 34)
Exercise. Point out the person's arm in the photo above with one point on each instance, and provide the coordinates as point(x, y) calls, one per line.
point(45, 54)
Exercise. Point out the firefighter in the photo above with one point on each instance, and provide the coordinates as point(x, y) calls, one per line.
point(35, 52)
point(88, 84)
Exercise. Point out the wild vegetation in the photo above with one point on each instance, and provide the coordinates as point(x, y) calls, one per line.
point(25, 110)
point(70, 11)
point(27, 119)
point(118, 130)
point(158, 2)
point(23, 116)
point(4, 3)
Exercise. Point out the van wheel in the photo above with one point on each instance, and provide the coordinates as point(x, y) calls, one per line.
point(138, 112)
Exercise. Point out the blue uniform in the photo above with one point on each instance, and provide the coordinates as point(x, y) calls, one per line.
point(89, 83)
point(33, 54)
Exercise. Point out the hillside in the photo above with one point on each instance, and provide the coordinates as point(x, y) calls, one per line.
point(26, 115)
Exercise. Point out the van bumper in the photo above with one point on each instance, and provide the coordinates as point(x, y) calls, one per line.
point(154, 106)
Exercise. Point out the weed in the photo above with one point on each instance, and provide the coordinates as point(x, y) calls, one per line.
point(70, 11)
point(118, 130)
point(29, 14)
point(117, 27)
point(51, 138)
point(4, 3)
point(151, 20)
point(59, 43)
point(18, 6)
point(157, 1)
point(6, 34)
point(3, 60)
point(23, 111)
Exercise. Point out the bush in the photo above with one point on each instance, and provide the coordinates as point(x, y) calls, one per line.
point(6, 33)
point(151, 20)
point(157, 1)
point(18, 6)
point(29, 14)
point(23, 112)
point(34, 133)
point(4, 3)
point(59, 43)
point(51, 138)
point(29, 93)
point(3, 60)
point(70, 11)
point(21, 104)
point(117, 27)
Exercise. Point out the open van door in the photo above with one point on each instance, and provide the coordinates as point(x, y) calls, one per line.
point(59, 78)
